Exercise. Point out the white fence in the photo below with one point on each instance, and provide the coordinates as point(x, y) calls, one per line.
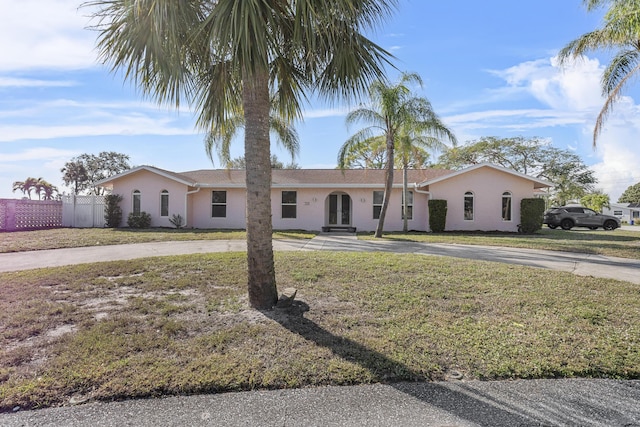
point(83, 211)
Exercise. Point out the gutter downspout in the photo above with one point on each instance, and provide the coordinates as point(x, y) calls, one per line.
point(415, 188)
point(186, 204)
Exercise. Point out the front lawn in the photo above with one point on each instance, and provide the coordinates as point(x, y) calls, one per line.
point(178, 325)
point(80, 237)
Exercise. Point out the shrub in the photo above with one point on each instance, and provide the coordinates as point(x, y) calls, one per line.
point(112, 210)
point(531, 215)
point(141, 220)
point(177, 220)
point(437, 215)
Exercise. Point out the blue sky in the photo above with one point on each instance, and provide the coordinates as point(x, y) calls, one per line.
point(489, 69)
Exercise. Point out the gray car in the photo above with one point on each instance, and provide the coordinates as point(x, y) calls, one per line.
point(568, 217)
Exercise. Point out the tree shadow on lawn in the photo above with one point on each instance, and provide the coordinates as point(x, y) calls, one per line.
point(481, 410)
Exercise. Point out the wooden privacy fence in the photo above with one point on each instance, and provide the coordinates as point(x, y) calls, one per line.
point(83, 211)
point(16, 215)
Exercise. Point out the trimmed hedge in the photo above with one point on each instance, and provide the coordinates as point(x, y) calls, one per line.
point(112, 210)
point(531, 215)
point(142, 220)
point(437, 215)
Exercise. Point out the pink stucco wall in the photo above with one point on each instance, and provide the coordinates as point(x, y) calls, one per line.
point(150, 185)
point(487, 185)
point(312, 205)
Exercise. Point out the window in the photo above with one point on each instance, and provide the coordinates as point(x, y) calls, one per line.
point(136, 202)
point(377, 203)
point(409, 205)
point(218, 204)
point(468, 206)
point(617, 213)
point(164, 203)
point(289, 204)
point(506, 206)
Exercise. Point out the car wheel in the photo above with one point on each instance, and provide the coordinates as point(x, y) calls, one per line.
point(610, 225)
point(593, 228)
point(566, 224)
point(553, 227)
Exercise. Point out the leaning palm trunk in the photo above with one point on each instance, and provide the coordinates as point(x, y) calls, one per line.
point(388, 186)
point(261, 272)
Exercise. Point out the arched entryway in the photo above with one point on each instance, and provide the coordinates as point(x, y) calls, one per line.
point(338, 210)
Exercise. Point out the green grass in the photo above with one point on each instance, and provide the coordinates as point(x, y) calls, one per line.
point(618, 243)
point(179, 325)
point(81, 237)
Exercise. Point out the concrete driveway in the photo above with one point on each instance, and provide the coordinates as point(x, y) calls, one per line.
point(577, 263)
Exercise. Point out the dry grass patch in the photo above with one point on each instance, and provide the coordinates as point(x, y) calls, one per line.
point(177, 325)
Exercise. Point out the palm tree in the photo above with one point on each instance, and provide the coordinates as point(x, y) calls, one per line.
point(75, 173)
point(45, 189)
point(238, 58)
point(19, 185)
point(30, 184)
point(620, 30)
point(285, 134)
point(413, 147)
point(395, 110)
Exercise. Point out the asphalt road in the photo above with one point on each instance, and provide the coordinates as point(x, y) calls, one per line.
point(458, 403)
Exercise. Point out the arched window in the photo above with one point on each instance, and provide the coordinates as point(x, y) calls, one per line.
point(506, 206)
point(136, 202)
point(468, 206)
point(164, 203)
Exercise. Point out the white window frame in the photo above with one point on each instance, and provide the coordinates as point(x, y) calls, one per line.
point(377, 207)
point(287, 205)
point(215, 204)
point(136, 202)
point(507, 195)
point(164, 194)
point(409, 206)
point(469, 195)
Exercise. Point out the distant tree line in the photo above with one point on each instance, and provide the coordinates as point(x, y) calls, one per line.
point(82, 172)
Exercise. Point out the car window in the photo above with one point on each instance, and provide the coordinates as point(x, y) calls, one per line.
point(590, 212)
point(574, 210)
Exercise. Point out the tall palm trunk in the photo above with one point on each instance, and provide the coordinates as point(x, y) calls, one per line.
point(388, 185)
point(405, 202)
point(261, 271)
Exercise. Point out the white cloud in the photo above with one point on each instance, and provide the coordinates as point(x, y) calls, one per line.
point(569, 98)
point(39, 153)
point(22, 82)
point(64, 118)
point(48, 34)
point(327, 112)
point(574, 86)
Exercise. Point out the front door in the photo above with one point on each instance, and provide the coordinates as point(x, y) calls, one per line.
point(339, 209)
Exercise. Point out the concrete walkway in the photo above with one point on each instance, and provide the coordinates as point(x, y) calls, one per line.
point(570, 402)
point(577, 263)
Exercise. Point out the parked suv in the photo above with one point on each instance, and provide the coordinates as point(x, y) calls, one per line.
point(568, 217)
